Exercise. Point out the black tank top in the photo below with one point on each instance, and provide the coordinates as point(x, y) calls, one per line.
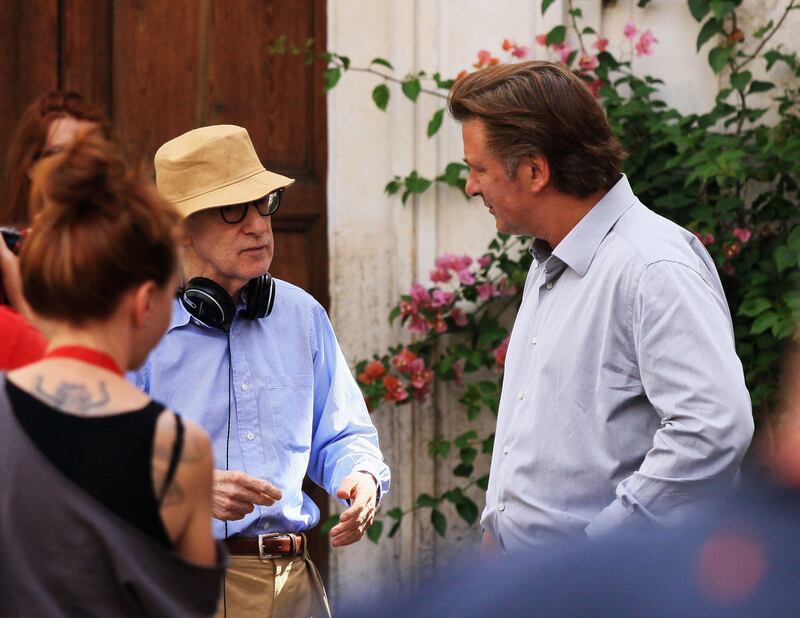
point(109, 457)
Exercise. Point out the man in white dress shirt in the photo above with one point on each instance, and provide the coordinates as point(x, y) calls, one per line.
point(623, 399)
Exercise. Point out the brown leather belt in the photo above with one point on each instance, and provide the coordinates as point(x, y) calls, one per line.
point(266, 546)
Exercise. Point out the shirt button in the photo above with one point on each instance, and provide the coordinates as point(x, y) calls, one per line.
point(549, 285)
point(505, 450)
point(250, 435)
point(520, 396)
point(501, 507)
point(244, 386)
point(533, 341)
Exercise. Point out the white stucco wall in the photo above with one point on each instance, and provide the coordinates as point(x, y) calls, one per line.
point(378, 247)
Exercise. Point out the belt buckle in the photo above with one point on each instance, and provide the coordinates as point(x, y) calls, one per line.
point(263, 555)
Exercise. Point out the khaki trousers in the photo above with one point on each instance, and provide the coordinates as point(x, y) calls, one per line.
point(272, 588)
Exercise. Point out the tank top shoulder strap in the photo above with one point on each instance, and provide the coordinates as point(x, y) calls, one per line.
point(175, 457)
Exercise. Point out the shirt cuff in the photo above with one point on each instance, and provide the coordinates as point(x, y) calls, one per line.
point(610, 518)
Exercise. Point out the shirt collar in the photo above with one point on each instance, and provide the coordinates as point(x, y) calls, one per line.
point(180, 317)
point(579, 247)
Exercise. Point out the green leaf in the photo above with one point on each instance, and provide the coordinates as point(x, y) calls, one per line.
point(468, 455)
point(393, 186)
point(483, 482)
point(643, 3)
point(556, 36)
point(468, 510)
point(345, 62)
point(439, 522)
point(332, 77)
point(463, 470)
point(435, 123)
point(374, 531)
point(740, 80)
point(394, 529)
point(754, 306)
point(463, 440)
point(394, 314)
point(785, 258)
point(709, 29)
point(763, 30)
point(426, 500)
point(718, 58)
point(382, 62)
point(412, 88)
point(416, 183)
point(699, 8)
point(488, 445)
point(764, 322)
point(758, 86)
point(328, 525)
point(588, 30)
point(546, 5)
point(578, 13)
point(395, 513)
point(722, 8)
point(445, 84)
point(381, 96)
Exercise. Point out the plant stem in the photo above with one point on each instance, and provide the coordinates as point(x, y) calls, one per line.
point(390, 78)
point(751, 57)
point(571, 9)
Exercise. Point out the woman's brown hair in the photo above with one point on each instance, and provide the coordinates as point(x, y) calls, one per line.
point(28, 142)
point(540, 108)
point(99, 230)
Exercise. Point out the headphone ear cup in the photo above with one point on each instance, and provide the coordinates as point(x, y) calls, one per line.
point(209, 303)
point(259, 294)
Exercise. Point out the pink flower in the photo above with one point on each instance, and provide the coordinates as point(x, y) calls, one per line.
point(485, 59)
point(600, 44)
point(742, 233)
point(465, 277)
point(403, 359)
point(440, 276)
point(500, 352)
point(420, 375)
point(419, 294)
point(630, 30)
point(520, 51)
point(395, 391)
point(439, 325)
point(487, 290)
point(463, 262)
point(728, 269)
point(484, 260)
point(406, 308)
point(442, 299)
point(508, 44)
point(458, 374)
point(458, 317)
point(541, 39)
point(645, 45)
point(564, 50)
point(588, 62)
point(419, 325)
point(594, 87)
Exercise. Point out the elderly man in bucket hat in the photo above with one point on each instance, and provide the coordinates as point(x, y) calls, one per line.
point(255, 361)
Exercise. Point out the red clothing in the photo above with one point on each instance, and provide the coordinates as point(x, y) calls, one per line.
point(20, 343)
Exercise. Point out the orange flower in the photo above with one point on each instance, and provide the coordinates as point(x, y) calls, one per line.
point(395, 391)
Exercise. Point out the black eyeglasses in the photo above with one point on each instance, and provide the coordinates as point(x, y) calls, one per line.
point(266, 206)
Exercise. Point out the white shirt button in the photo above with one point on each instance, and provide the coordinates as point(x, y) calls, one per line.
point(549, 285)
point(520, 396)
point(501, 507)
point(533, 341)
point(505, 450)
point(250, 435)
point(244, 386)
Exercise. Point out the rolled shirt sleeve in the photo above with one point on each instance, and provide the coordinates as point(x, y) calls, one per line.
point(694, 380)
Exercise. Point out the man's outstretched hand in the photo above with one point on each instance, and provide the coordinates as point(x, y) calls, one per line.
point(236, 494)
point(361, 490)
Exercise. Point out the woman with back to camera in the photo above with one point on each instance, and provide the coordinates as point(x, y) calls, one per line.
point(106, 501)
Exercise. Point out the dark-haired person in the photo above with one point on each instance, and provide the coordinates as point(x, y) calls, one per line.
point(20, 342)
point(106, 495)
point(623, 399)
point(267, 381)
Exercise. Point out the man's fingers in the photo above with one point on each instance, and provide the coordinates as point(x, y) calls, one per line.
point(345, 491)
point(259, 486)
point(346, 539)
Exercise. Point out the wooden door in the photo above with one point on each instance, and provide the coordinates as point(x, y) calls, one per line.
point(163, 67)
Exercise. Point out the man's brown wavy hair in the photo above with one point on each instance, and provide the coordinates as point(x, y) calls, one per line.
point(539, 108)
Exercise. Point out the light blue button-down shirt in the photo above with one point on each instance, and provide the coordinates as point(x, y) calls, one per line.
point(294, 405)
point(623, 398)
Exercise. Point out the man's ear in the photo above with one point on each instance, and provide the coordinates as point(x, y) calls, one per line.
point(539, 172)
point(142, 303)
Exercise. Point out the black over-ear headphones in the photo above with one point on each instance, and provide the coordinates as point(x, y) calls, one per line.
point(210, 303)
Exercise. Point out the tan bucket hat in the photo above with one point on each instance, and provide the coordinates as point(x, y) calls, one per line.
point(213, 166)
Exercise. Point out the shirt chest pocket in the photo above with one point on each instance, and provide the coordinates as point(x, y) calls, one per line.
point(291, 409)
